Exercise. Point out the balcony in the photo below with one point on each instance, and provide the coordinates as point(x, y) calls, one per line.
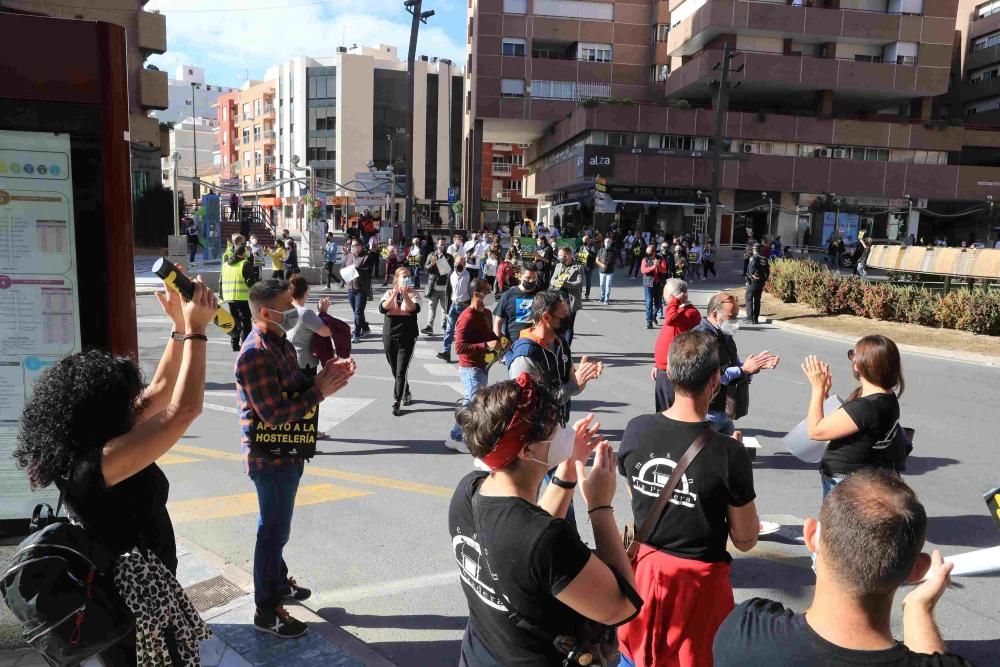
point(248, 116)
point(500, 169)
point(235, 168)
point(505, 148)
point(153, 90)
point(977, 90)
point(268, 112)
point(269, 136)
point(268, 159)
point(776, 73)
point(982, 57)
point(152, 32)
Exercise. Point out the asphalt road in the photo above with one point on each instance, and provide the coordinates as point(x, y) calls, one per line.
point(370, 534)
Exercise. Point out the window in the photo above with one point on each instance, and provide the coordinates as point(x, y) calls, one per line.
point(256, 133)
point(660, 73)
point(256, 158)
point(515, 6)
point(246, 135)
point(517, 160)
point(513, 46)
point(595, 53)
point(256, 107)
point(321, 148)
point(512, 185)
point(512, 88)
point(986, 41)
point(246, 110)
point(572, 9)
point(246, 158)
point(987, 9)
point(661, 31)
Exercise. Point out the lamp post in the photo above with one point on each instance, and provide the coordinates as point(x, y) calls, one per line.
point(770, 213)
point(175, 157)
point(500, 195)
point(195, 190)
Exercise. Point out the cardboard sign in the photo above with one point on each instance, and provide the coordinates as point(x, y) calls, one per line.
point(295, 439)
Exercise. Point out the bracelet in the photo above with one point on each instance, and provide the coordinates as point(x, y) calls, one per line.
point(601, 507)
point(563, 484)
point(180, 338)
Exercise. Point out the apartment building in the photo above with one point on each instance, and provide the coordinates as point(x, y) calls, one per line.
point(189, 96)
point(503, 179)
point(193, 140)
point(246, 140)
point(146, 34)
point(840, 119)
point(339, 113)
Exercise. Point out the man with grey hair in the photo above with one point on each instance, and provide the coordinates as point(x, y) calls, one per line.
point(679, 316)
point(720, 321)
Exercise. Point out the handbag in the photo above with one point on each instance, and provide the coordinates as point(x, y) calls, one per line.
point(632, 537)
point(593, 644)
point(737, 399)
point(61, 589)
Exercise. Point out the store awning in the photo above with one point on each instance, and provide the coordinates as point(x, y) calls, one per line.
point(653, 202)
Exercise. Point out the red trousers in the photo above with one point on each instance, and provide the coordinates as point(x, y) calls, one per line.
point(685, 602)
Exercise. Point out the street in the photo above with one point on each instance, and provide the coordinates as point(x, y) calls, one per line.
point(370, 533)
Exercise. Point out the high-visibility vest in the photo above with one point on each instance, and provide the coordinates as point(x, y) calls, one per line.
point(234, 286)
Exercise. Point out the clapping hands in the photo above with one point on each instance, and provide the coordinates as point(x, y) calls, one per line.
point(818, 374)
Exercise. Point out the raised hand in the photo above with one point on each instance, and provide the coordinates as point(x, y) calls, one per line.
point(598, 487)
point(816, 371)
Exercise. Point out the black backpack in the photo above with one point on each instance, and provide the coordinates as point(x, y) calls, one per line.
point(60, 586)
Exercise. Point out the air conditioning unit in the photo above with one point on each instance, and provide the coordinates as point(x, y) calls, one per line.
point(746, 148)
point(823, 152)
point(840, 154)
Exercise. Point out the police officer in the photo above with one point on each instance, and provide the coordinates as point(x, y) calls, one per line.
point(758, 270)
point(235, 279)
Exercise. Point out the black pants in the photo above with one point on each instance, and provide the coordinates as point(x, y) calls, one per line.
point(753, 293)
point(709, 266)
point(331, 275)
point(663, 393)
point(398, 353)
point(633, 267)
point(240, 311)
point(278, 273)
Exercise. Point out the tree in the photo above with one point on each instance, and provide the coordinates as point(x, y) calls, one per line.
point(153, 217)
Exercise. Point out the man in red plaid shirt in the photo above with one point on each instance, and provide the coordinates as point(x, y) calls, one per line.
point(271, 390)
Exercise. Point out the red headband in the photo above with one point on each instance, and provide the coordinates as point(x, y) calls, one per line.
point(515, 437)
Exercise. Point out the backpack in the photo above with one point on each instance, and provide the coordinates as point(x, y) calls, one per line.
point(60, 587)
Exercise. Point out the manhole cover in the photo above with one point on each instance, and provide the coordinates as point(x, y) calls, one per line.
point(213, 592)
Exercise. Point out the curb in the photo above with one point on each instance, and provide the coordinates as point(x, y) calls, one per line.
point(947, 355)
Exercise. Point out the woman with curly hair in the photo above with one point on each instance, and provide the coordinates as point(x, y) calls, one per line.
point(530, 563)
point(93, 429)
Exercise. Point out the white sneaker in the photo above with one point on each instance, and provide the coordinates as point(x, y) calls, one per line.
point(457, 445)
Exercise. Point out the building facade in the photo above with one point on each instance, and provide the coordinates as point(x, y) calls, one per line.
point(843, 116)
point(246, 141)
point(502, 182)
point(338, 114)
point(146, 34)
point(193, 140)
point(189, 96)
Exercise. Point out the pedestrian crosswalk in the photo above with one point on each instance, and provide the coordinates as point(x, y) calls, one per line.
point(240, 504)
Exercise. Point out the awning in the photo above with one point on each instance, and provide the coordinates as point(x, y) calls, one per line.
point(653, 202)
point(269, 201)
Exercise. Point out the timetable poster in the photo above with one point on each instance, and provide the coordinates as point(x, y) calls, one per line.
point(39, 306)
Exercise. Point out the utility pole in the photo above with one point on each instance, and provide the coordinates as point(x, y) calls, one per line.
point(195, 188)
point(721, 106)
point(414, 8)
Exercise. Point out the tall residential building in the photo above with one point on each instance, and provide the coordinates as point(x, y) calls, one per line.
point(193, 139)
point(503, 177)
point(189, 96)
point(337, 114)
point(841, 111)
point(146, 34)
point(246, 139)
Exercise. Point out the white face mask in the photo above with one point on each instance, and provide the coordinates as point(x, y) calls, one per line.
point(560, 447)
point(730, 327)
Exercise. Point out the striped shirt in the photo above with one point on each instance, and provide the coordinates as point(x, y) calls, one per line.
point(267, 376)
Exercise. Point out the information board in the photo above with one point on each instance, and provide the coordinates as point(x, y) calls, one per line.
point(39, 303)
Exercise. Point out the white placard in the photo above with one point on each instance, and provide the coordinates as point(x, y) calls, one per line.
point(443, 267)
point(348, 273)
point(38, 288)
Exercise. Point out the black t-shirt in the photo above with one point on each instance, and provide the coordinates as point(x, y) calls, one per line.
point(762, 633)
point(129, 514)
point(877, 418)
point(695, 524)
point(400, 327)
point(534, 555)
point(514, 308)
point(544, 255)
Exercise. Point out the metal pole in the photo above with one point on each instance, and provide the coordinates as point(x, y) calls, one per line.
point(173, 181)
point(195, 190)
point(721, 103)
point(392, 199)
point(411, 57)
point(770, 216)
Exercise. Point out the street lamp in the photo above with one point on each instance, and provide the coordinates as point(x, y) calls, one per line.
point(770, 212)
point(500, 195)
point(175, 157)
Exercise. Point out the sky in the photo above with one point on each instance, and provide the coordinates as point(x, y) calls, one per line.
point(239, 39)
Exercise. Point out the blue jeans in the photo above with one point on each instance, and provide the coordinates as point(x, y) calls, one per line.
point(651, 312)
point(721, 422)
point(276, 489)
point(449, 325)
point(474, 379)
point(606, 280)
point(358, 300)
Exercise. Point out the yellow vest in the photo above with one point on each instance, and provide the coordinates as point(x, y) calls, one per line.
point(234, 287)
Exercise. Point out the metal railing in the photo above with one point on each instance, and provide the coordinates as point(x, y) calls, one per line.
point(501, 169)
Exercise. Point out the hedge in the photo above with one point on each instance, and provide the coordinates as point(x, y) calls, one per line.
point(803, 281)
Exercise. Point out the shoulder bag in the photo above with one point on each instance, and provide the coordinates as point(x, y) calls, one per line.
point(593, 644)
point(632, 537)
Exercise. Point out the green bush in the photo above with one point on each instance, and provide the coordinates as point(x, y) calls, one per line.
point(976, 311)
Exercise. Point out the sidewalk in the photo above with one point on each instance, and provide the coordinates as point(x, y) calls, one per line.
point(223, 594)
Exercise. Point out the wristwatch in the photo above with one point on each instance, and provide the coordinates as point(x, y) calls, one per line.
point(563, 484)
point(180, 338)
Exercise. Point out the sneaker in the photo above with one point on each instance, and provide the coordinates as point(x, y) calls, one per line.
point(444, 356)
point(395, 409)
point(429, 331)
point(296, 592)
point(355, 338)
point(649, 325)
point(408, 399)
point(366, 331)
point(457, 445)
point(279, 623)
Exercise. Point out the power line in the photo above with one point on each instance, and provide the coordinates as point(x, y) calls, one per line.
point(315, 3)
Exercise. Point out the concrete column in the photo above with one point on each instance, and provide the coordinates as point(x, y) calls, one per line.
point(924, 106)
point(824, 103)
point(787, 222)
point(912, 222)
point(728, 199)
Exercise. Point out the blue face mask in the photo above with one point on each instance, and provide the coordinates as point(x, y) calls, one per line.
point(406, 282)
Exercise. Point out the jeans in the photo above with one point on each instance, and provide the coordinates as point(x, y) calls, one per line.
point(650, 291)
point(449, 325)
point(438, 298)
point(358, 300)
point(474, 378)
point(830, 481)
point(721, 422)
point(276, 489)
point(192, 252)
point(606, 280)
point(588, 279)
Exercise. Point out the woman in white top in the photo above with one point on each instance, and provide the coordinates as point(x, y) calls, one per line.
point(490, 267)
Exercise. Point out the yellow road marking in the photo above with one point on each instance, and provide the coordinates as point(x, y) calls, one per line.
point(372, 480)
point(172, 459)
point(241, 504)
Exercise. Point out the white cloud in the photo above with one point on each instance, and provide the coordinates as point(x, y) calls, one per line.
point(234, 44)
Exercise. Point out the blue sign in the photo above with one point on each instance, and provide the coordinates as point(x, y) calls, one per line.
point(452, 195)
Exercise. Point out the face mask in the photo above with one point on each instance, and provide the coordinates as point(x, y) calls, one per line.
point(459, 268)
point(730, 327)
point(529, 285)
point(407, 282)
point(289, 319)
point(560, 448)
point(607, 244)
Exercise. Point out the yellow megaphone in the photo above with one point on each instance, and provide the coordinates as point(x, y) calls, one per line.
point(171, 275)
